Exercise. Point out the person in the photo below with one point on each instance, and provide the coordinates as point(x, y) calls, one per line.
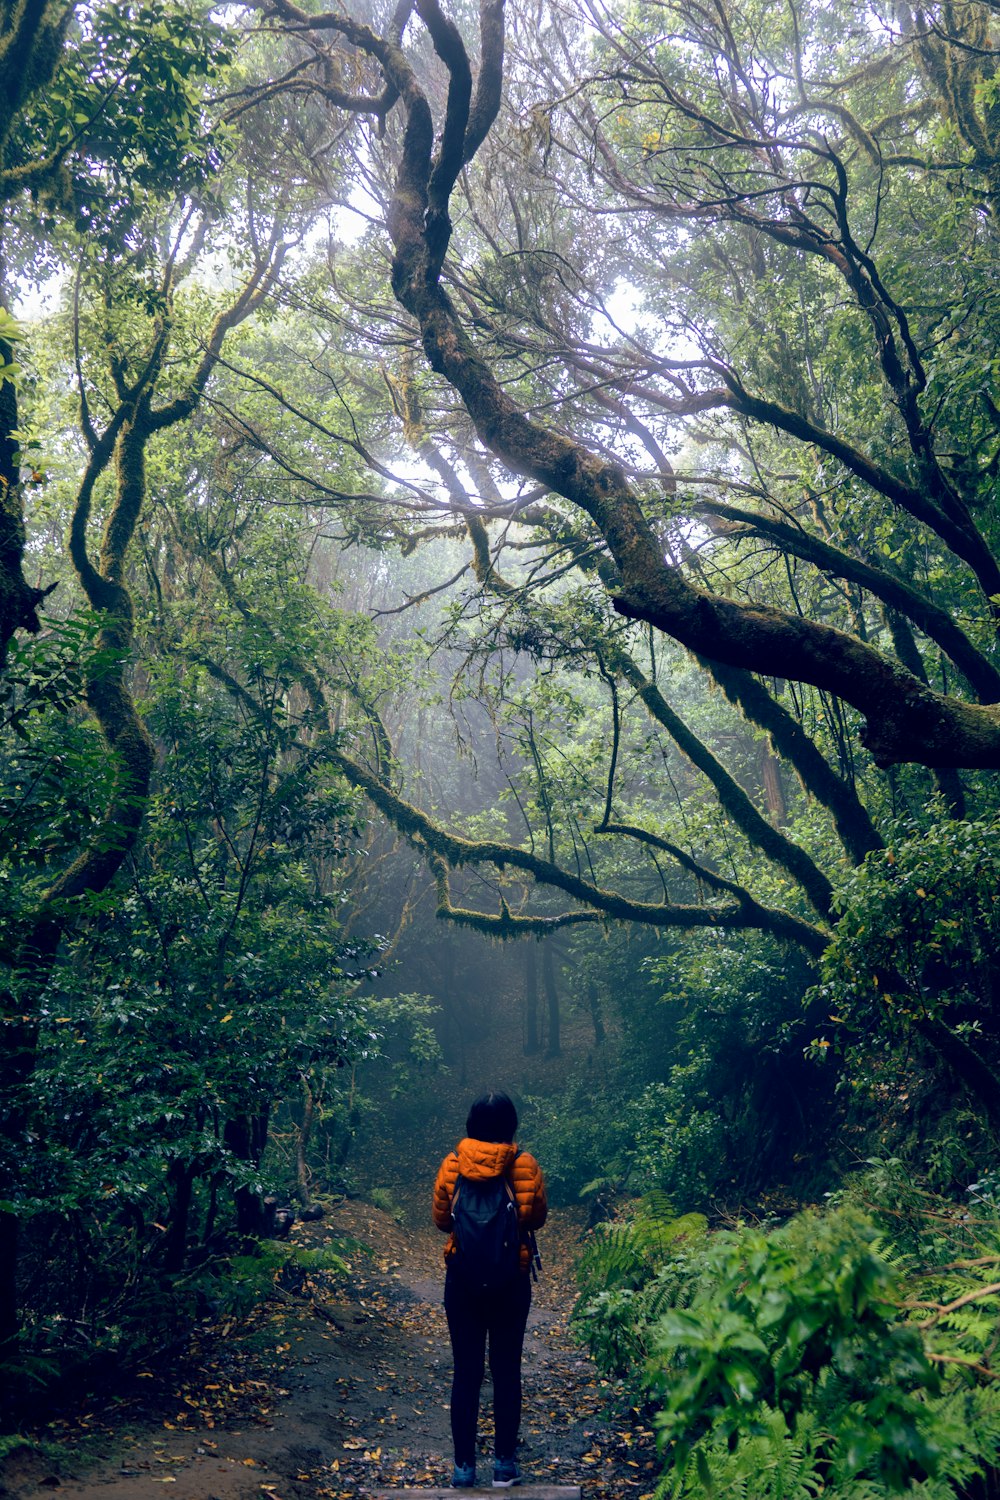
point(498, 1314)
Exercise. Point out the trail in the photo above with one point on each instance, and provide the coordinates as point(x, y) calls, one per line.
point(338, 1388)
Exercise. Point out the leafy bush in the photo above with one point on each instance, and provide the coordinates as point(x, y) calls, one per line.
point(680, 1149)
point(802, 1318)
point(737, 1106)
point(628, 1273)
point(811, 1358)
point(705, 1092)
point(204, 987)
point(583, 1144)
point(908, 981)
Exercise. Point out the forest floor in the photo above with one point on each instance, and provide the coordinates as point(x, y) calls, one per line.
point(339, 1390)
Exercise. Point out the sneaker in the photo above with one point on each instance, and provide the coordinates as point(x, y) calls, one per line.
point(505, 1473)
point(463, 1477)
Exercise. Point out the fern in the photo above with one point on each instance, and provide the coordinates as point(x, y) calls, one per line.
point(629, 1273)
point(12, 1442)
point(628, 1252)
point(599, 1185)
point(614, 1256)
point(673, 1286)
point(772, 1464)
point(324, 1258)
point(656, 1207)
point(957, 1308)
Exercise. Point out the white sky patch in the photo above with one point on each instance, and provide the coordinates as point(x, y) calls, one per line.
point(623, 307)
point(36, 300)
point(356, 216)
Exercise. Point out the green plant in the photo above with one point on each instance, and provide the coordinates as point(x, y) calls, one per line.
point(240, 1282)
point(914, 957)
point(584, 1144)
point(802, 1318)
point(809, 1322)
point(815, 1357)
point(382, 1198)
point(626, 1274)
point(680, 1147)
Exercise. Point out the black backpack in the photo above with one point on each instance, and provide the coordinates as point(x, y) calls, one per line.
point(487, 1234)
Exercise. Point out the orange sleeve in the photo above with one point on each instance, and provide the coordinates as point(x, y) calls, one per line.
point(540, 1203)
point(529, 1189)
point(444, 1191)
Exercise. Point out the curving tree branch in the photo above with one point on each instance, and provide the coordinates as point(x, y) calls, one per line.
point(905, 720)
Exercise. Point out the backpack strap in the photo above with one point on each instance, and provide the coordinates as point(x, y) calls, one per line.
point(458, 1181)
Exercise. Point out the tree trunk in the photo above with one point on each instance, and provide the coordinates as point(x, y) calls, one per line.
point(246, 1138)
point(980, 1079)
point(596, 1014)
point(9, 1322)
point(182, 1178)
point(302, 1139)
point(531, 1043)
point(552, 1000)
point(774, 792)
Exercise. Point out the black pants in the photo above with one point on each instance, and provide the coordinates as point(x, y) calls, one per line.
point(474, 1316)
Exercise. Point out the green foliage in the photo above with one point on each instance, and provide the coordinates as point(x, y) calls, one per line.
point(919, 932)
point(584, 1144)
point(705, 1094)
point(122, 118)
point(239, 1283)
point(679, 1147)
point(189, 999)
point(737, 1007)
point(55, 771)
point(625, 1251)
point(626, 1274)
point(802, 1317)
point(10, 1442)
point(915, 955)
point(382, 1198)
point(810, 1358)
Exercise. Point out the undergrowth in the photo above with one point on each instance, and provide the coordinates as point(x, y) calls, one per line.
point(161, 1313)
point(847, 1352)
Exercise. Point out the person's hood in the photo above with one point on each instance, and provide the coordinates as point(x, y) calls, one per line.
point(482, 1159)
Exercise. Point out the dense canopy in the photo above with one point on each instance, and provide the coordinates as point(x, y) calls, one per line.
point(537, 465)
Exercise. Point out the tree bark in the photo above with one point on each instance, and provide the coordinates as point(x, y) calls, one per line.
point(246, 1138)
point(904, 719)
point(531, 1043)
point(554, 1043)
point(302, 1138)
point(596, 1014)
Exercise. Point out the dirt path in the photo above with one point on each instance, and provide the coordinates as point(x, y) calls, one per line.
point(338, 1391)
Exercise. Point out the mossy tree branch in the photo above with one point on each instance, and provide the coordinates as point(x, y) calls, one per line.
point(905, 719)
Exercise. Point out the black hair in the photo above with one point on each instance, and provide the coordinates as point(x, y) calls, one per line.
point(492, 1118)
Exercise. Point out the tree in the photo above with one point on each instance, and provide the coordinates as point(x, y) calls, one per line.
point(829, 562)
point(787, 189)
point(93, 120)
point(150, 376)
point(657, 373)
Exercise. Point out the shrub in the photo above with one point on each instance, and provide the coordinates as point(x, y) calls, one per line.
point(805, 1359)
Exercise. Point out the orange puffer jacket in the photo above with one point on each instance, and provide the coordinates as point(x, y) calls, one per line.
point(480, 1159)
